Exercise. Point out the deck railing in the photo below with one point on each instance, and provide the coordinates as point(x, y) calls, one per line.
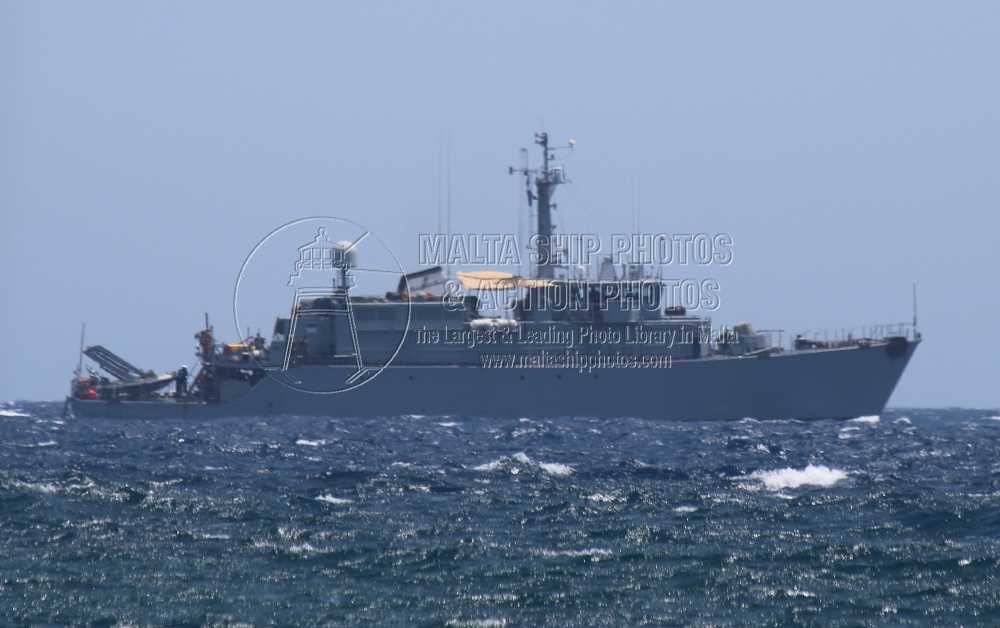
point(841, 335)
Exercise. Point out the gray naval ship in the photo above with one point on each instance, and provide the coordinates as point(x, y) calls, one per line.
point(562, 345)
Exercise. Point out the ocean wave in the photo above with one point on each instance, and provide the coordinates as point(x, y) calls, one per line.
point(872, 418)
point(556, 469)
point(310, 443)
point(490, 622)
point(12, 413)
point(47, 488)
point(336, 501)
point(811, 475)
point(590, 552)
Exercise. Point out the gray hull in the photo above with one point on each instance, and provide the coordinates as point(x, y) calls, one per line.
point(827, 383)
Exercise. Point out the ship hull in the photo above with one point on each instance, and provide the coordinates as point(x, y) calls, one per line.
point(820, 384)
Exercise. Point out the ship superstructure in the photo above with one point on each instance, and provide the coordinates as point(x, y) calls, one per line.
point(564, 345)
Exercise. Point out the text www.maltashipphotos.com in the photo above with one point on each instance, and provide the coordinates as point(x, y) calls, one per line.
point(581, 361)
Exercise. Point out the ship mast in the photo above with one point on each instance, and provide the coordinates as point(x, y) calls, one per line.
point(545, 179)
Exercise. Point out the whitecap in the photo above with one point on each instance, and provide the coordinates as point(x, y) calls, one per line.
point(310, 443)
point(336, 501)
point(557, 469)
point(592, 552)
point(685, 509)
point(965, 562)
point(812, 475)
point(156, 485)
point(489, 622)
point(38, 487)
point(903, 419)
point(799, 593)
point(872, 418)
point(47, 443)
point(522, 457)
point(12, 413)
point(602, 498)
point(994, 418)
point(847, 433)
point(490, 466)
point(448, 424)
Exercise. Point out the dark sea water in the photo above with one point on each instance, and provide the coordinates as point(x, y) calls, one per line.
point(470, 522)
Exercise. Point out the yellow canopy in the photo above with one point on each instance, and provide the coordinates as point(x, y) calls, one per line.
point(496, 280)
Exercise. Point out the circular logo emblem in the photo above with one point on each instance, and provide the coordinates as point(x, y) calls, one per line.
point(331, 295)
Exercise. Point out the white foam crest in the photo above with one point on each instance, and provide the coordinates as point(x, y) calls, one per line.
point(592, 552)
point(448, 424)
point(603, 498)
point(491, 466)
point(310, 443)
point(994, 418)
point(336, 501)
point(685, 509)
point(799, 593)
point(489, 622)
point(47, 488)
point(557, 469)
point(811, 475)
point(212, 536)
point(12, 413)
point(904, 419)
point(847, 433)
point(871, 418)
point(302, 548)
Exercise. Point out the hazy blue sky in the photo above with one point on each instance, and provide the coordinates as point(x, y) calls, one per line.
point(849, 149)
